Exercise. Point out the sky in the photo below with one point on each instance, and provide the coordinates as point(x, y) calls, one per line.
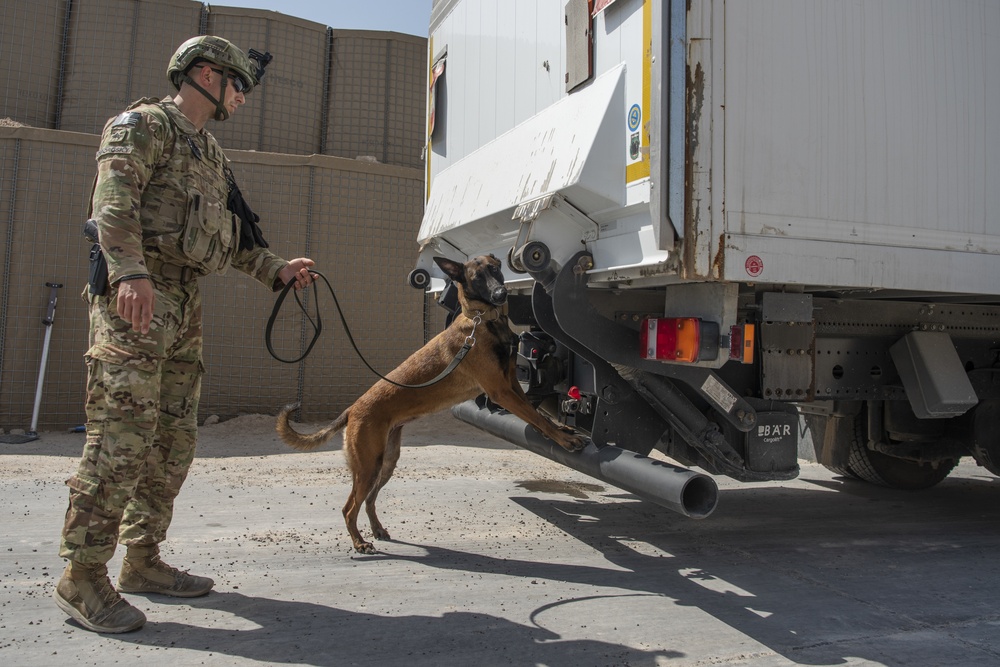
point(411, 17)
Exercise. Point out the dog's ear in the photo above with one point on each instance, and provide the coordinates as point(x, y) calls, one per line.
point(454, 270)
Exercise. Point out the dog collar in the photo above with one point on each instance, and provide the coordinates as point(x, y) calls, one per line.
point(495, 313)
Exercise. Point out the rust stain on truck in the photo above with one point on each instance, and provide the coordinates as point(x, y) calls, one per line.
point(695, 91)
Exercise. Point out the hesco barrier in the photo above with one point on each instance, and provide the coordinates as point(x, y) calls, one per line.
point(72, 64)
point(356, 219)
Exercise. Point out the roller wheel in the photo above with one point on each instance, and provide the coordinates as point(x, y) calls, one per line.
point(419, 279)
point(514, 262)
point(534, 256)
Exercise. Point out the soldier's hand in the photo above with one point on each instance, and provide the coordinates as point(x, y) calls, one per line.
point(136, 299)
point(297, 270)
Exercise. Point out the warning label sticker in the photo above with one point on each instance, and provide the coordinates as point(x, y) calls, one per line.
point(719, 393)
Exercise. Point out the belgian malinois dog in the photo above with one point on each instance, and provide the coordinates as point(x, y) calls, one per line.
point(375, 421)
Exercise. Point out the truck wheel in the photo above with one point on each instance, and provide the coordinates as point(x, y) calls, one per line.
point(843, 471)
point(985, 441)
point(884, 470)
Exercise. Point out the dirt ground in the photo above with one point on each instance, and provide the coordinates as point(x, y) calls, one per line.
point(501, 557)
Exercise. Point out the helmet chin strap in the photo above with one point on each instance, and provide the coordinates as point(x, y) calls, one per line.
point(221, 113)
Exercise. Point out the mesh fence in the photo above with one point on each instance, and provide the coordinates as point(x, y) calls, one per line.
point(40, 224)
point(357, 220)
point(72, 64)
point(287, 115)
point(117, 52)
point(32, 43)
point(69, 65)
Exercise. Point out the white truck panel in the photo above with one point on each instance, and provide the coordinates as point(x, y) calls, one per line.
point(857, 133)
point(813, 133)
point(506, 63)
point(569, 147)
point(496, 76)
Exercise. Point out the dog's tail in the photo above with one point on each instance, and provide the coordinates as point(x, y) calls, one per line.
point(297, 440)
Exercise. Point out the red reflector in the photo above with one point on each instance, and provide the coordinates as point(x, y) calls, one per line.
point(670, 338)
point(574, 393)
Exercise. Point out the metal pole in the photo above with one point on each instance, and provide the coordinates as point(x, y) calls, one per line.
point(50, 317)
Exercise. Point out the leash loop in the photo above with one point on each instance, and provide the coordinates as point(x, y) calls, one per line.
point(317, 325)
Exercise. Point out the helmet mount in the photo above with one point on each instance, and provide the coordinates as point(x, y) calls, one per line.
point(229, 59)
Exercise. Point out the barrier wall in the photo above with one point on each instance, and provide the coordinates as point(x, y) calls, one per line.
point(377, 97)
point(285, 114)
point(117, 52)
point(31, 44)
point(71, 65)
point(357, 220)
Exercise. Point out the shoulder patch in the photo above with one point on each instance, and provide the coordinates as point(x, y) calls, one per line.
point(114, 150)
point(127, 118)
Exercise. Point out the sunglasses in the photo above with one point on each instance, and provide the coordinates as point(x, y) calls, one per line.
point(238, 83)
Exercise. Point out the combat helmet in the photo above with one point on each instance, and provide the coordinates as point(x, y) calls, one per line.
point(221, 52)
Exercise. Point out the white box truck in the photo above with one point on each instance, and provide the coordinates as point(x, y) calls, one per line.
point(731, 225)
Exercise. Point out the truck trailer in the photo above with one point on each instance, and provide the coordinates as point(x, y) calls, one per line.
point(731, 229)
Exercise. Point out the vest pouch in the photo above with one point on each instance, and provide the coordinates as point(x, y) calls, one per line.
point(207, 238)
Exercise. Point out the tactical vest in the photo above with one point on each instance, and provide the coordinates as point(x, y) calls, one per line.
point(183, 214)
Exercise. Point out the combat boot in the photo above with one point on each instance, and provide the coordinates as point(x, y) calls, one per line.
point(144, 572)
point(86, 594)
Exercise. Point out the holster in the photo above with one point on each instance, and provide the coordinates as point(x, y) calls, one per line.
point(98, 271)
point(98, 265)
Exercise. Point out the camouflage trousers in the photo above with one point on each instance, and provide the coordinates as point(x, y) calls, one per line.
point(142, 407)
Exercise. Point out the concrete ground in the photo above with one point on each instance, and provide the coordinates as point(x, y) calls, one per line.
point(501, 557)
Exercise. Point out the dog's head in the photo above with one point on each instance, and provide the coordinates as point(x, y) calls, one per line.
point(479, 279)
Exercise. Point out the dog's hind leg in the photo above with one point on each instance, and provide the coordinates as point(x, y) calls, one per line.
point(364, 456)
point(363, 483)
point(389, 459)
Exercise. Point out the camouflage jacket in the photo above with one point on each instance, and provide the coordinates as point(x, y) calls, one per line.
point(161, 194)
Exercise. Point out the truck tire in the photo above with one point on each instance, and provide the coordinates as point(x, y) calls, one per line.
point(985, 441)
point(884, 470)
point(843, 471)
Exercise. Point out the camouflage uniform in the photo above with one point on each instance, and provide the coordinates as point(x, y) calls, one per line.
point(160, 204)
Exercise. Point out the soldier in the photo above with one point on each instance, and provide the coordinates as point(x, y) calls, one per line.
point(162, 206)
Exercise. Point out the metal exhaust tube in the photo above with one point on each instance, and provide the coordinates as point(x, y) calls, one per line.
point(684, 491)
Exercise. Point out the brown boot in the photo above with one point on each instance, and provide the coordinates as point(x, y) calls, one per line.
point(144, 572)
point(86, 594)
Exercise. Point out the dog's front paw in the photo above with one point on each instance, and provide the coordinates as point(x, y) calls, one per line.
point(381, 533)
point(572, 443)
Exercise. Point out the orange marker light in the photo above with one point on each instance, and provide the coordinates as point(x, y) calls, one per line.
point(741, 343)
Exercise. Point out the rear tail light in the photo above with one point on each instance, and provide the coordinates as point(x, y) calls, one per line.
point(671, 339)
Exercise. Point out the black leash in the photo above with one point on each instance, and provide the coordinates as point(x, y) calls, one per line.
point(317, 325)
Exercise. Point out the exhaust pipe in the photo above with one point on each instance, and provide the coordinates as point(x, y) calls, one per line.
point(684, 491)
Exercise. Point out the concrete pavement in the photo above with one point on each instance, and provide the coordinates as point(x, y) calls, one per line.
point(504, 558)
